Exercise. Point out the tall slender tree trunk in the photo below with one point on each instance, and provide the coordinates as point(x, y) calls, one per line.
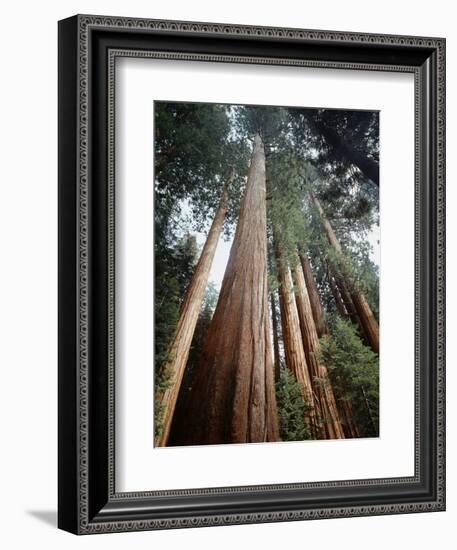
point(367, 319)
point(274, 317)
point(340, 305)
point(233, 396)
point(330, 418)
point(188, 317)
point(346, 296)
point(316, 305)
point(368, 167)
point(344, 405)
point(293, 344)
point(342, 297)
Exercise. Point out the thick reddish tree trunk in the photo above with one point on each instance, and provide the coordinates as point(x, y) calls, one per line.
point(367, 320)
point(233, 396)
point(293, 344)
point(331, 427)
point(188, 317)
point(316, 305)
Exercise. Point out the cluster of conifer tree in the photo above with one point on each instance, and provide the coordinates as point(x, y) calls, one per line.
point(287, 349)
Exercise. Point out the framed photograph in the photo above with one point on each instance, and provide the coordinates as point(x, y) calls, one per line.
point(251, 274)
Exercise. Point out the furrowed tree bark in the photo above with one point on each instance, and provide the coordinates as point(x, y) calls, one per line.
point(367, 320)
point(330, 417)
point(274, 317)
point(293, 344)
point(188, 317)
point(233, 397)
point(316, 306)
point(367, 166)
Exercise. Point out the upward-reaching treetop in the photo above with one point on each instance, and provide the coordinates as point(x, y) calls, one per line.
point(196, 153)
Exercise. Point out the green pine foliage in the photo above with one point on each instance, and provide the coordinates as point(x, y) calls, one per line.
point(354, 372)
point(173, 274)
point(271, 123)
point(291, 408)
point(287, 190)
point(195, 154)
point(358, 129)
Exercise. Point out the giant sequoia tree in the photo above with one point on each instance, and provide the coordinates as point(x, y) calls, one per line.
point(193, 154)
point(311, 174)
point(233, 397)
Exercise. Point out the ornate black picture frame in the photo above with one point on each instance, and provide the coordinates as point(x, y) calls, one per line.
point(88, 501)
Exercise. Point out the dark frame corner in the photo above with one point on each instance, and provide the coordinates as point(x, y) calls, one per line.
point(88, 502)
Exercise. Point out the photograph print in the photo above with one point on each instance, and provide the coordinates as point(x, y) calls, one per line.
point(266, 281)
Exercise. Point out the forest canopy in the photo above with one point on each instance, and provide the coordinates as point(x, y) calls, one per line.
point(266, 281)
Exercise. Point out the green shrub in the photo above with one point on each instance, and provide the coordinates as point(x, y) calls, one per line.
point(354, 371)
point(292, 408)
